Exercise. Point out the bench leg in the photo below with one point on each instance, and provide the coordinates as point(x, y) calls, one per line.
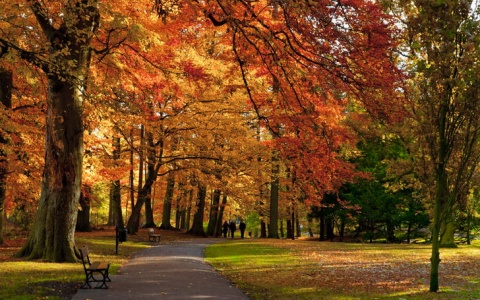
point(91, 278)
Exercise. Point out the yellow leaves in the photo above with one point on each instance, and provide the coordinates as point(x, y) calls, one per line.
point(146, 39)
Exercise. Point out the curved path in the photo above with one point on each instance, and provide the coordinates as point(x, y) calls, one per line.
point(170, 271)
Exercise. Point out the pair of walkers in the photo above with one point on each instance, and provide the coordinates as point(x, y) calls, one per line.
point(232, 227)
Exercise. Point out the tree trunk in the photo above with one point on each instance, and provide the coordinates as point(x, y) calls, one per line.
point(52, 235)
point(282, 234)
point(322, 224)
point(181, 207)
point(144, 194)
point(151, 158)
point(342, 229)
point(131, 174)
point(289, 230)
point(154, 162)
point(441, 199)
point(167, 202)
point(83, 217)
point(435, 258)
point(141, 162)
point(273, 224)
point(188, 212)
point(115, 216)
point(299, 229)
point(391, 232)
point(218, 231)
point(214, 214)
point(310, 223)
point(6, 84)
point(197, 226)
point(447, 233)
point(330, 227)
point(263, 229)
point(115, 192)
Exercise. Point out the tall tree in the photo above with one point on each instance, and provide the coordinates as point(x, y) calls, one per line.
point(6, 85)
point(66, 63)
point(444, 43)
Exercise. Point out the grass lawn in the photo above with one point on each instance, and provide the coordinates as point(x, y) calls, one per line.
point(268, 269)
point(302, 269)
point(24, 280)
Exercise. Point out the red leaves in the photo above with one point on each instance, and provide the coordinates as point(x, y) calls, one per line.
point(193, 72)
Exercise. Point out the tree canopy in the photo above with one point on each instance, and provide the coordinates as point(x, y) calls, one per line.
point(344, 106)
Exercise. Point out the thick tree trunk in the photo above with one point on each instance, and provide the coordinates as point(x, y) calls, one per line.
point(197, 226)
point(52, 234)
point(6, 83)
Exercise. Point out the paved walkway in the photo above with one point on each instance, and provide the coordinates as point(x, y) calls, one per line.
point(169, 271)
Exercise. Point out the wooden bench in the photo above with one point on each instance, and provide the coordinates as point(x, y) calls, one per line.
point(100, 269)
point(152, 236)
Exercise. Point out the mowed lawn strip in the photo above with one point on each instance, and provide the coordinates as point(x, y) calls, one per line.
point(302, 269)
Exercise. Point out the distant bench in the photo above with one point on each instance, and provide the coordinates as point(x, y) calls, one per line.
point(92, 268)
point(152, 236)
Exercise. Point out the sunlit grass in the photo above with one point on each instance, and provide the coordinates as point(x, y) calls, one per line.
point(43, 280)
point(285, 269)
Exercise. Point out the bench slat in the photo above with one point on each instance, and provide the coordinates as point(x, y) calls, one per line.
point(98, 266)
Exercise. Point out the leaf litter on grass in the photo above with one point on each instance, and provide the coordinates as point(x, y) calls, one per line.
point(371, 269)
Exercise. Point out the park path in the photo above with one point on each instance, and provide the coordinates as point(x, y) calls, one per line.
point(167, 271)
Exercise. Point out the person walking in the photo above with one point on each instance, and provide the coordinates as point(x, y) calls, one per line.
point(233, 227)
point(225, 228)
point(242, 228)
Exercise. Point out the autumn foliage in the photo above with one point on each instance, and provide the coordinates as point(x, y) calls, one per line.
point(206, 94)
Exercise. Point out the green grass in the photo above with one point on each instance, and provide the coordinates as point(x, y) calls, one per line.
point(43, 280)
point(275, 269)
point(284, 269)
